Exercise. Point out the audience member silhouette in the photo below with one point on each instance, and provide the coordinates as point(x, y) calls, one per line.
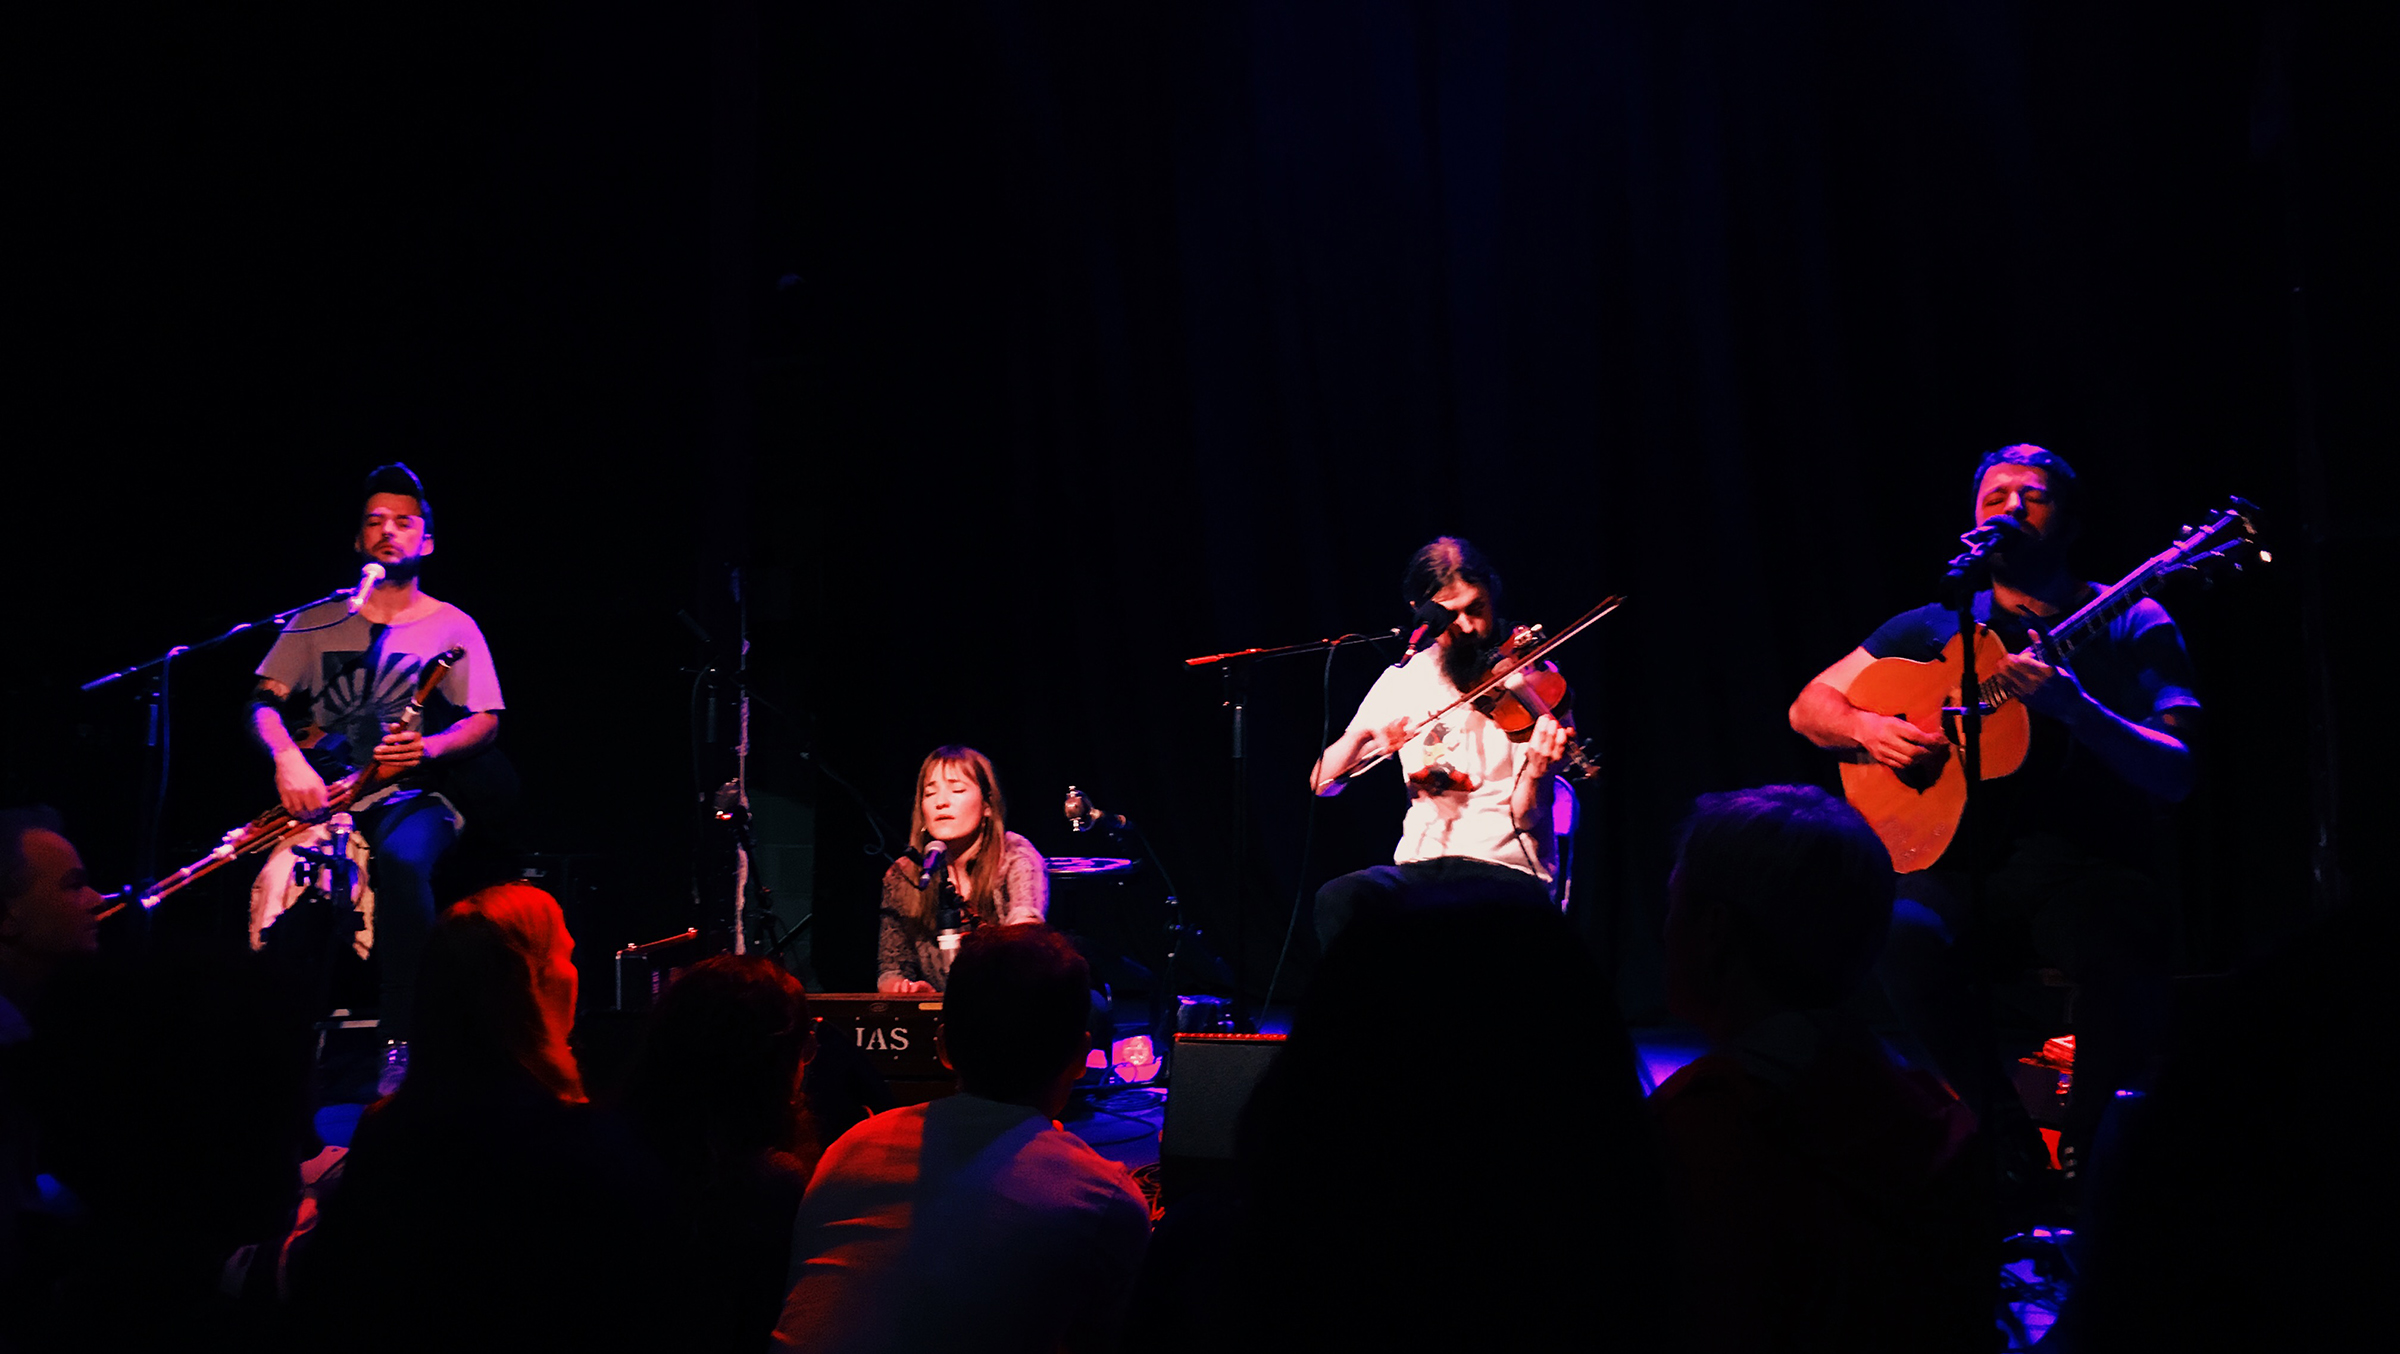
point(975, 1222)
point(714, 1096)
point(2231, 1208)
point(170, 1090)
point(1426, 1168)
point(1823, 1197)
point(48, 916)
point(536, 928)
point(480, 1204)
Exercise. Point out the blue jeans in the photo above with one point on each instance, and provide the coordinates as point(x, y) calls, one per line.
point(406, 841)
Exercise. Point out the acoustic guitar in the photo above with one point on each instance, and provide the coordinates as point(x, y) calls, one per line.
point(1916, 812)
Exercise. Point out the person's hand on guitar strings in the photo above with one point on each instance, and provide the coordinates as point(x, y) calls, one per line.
point(2049, 690)
point(1896, 743)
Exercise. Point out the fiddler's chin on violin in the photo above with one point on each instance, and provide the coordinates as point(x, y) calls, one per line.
point(1482, 726)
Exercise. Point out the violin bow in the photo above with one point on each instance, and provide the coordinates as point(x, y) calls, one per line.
point(1485, 687)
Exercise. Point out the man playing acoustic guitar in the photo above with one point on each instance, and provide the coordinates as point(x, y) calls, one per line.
point(350, 676)
point(2051, 864)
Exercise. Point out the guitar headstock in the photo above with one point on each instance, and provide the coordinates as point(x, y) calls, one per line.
point(2224, 542)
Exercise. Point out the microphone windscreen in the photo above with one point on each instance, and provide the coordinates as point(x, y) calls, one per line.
point(1435, 615)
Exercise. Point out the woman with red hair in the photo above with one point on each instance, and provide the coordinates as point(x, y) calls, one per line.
point(534, 926)
point(483, 1195)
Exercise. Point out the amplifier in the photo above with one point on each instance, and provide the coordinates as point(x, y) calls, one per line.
point(1213, 1077)
point(893, 1032)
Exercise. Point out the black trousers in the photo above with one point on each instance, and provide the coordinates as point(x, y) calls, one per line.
point(2050, 904)
point(1423, 882)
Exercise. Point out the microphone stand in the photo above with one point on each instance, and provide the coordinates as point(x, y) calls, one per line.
point(1969, 572)
point(155, 742)
point(1234, 670)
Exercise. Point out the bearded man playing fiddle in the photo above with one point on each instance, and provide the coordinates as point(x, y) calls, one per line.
point(1478, 801)
point(2050, 866)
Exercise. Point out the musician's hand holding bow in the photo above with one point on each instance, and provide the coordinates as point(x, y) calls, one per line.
point(1352, 748)
point(298, 785)
point(2052, 691)
point(402, 747)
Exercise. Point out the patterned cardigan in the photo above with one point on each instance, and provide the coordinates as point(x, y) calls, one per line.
point(909, 947)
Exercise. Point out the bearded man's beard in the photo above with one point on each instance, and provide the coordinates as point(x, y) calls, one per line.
point(2029, 561)
point(402, 570)
point(1465, 661)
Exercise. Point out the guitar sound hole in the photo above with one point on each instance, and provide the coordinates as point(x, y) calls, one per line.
point(1924, 775)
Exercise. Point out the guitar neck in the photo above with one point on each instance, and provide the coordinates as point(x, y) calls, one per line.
point(2062, 640)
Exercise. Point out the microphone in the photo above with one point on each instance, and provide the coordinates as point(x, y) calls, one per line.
point(1432, 619)
point(1083, 815)
point(369, 574)
point(929, 868)
point(2003, 528)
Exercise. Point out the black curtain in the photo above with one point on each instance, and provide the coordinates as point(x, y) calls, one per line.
point(1021, 351)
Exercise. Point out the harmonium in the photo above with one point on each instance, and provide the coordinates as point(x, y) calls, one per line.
point(890, 1032)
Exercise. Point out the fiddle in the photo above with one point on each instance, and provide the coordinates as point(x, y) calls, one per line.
point(1522, 677)
point(1520, 687)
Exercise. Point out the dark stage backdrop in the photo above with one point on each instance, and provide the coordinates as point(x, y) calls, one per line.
point(1020, 351)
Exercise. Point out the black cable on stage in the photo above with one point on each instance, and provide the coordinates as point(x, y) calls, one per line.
point(1517, 829)
point(1308, 834)
point(882, 845)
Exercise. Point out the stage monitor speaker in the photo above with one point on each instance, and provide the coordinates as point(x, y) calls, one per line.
point(1213, 1076)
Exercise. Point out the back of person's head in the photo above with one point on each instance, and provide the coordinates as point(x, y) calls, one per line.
point(1386, 1032)
point(478, 1022)
point(720, 1064)
point(1374, 1158)
point(1017, 1010)
point(172, 1096)
point(535, 927)
point(1806, 884)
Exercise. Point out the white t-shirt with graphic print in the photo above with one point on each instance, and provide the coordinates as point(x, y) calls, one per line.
point(1468, 754)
